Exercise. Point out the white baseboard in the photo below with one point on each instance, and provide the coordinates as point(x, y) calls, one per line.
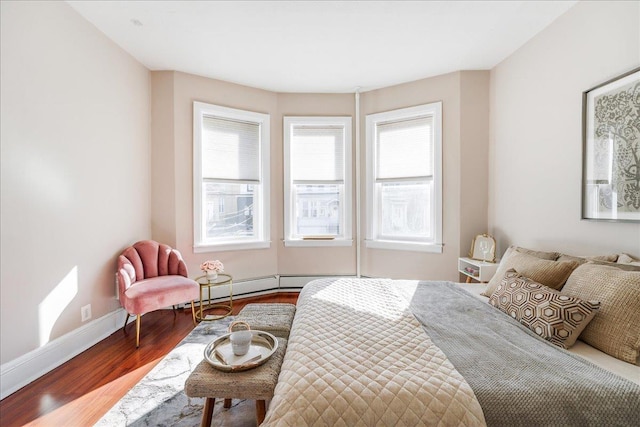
point(19, 372)
point(263, 285)
point(292, 283)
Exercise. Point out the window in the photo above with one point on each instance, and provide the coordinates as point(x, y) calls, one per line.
point(231, 178)
point(317, 181)
point(404, 179)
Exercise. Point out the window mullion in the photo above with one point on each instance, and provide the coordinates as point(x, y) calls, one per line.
point(406, 179)
point(317, 182)
point(231, 181)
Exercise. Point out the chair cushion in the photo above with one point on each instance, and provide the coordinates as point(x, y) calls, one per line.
point(158, 292)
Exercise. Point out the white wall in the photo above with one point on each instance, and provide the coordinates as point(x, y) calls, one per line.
point(75, 155)
point(536, 143)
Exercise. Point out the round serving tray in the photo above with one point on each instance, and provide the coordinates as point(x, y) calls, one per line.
point(265, 344)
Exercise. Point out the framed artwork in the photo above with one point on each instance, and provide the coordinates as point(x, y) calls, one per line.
point(611, 150)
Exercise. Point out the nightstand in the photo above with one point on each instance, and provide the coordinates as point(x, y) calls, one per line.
point(222, 279)
point(482, 271)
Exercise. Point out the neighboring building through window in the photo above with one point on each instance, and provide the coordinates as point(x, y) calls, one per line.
point(404, 179)
point(317, 193)
point(231, 178)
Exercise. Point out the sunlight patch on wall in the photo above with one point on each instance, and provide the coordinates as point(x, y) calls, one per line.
point(50, 309)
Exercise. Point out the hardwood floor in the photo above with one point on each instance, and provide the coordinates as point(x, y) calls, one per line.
point(82, 390)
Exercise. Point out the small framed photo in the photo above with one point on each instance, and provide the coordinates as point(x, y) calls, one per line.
point(483, 248)
point(611, 150)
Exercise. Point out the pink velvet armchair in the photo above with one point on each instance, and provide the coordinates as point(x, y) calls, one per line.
point(151, 276)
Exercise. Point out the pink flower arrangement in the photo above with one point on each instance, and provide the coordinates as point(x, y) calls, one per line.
point(214, 265)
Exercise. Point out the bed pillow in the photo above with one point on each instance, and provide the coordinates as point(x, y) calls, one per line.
point(605, 258)
point(620, 266)
point(549, 273)
point(556, 317)
point(565, 257)
point(510, 250)
point(616, 328)
point(538, 254)
point(627, 259)
point(598, 258)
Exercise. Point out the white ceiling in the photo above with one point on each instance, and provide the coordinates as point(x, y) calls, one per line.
point(320, 46)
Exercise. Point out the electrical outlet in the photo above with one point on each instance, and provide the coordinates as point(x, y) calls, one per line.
point(85, 312)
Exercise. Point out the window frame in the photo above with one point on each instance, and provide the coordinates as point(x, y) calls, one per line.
point(373, 239)
point(345, 238)
point(262, 222)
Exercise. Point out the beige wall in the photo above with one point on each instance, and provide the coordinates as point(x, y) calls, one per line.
point(474, 156)
point(163, 168)
point(312, 260)
point(536, 145)
point(173, 97)
point(172, 106)
point(465, 176)
point(75, 170)
point(464, 146)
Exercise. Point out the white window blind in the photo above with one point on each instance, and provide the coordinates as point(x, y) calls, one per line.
point(317, 153)
point(404, 148)
point(230, 149)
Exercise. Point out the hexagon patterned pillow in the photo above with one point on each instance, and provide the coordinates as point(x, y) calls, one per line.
point(556, 317)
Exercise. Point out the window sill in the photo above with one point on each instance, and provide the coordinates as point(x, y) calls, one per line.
point(228, 246)
point(405, 246)
point(317, 243)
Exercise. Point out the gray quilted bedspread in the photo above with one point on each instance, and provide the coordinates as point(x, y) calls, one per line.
point(518, 378)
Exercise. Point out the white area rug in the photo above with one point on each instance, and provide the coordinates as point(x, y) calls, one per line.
point(159, 398)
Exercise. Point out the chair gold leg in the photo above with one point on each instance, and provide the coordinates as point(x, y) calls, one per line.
point(193, 313)
point(138, 331)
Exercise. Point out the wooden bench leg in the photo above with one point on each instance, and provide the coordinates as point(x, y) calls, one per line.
point(260, 411)
point(227, 403)
point(207, 412)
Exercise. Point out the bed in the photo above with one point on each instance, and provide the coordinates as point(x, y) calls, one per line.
point(395, 352)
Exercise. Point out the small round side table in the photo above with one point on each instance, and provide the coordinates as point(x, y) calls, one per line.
point(223, 279)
